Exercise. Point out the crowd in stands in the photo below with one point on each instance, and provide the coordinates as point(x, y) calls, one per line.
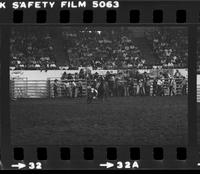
point(105, 48)
point(109, 48)
point(170, 46)
point(32, 50)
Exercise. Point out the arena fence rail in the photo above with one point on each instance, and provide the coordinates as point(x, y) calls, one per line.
point(198, 92)
point(24, 88)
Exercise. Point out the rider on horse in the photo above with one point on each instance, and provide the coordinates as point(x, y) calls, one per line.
point(92, 93)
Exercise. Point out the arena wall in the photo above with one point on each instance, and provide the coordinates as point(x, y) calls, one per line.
point(43, 75)
point(52, 74)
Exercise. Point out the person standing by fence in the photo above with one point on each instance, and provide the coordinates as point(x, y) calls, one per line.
point(172, 87)
point(147, 86)
point(80, 88)
point(67, 88)
point(160, 90)
point(74, 89)
point(141, 87)
point(154, 87)
point(55, 88)
point(126, 87)
point(184, 86)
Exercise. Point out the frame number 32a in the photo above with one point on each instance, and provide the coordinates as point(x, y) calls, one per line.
point(127, 165)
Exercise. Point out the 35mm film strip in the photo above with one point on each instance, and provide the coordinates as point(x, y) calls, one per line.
point(100, 85)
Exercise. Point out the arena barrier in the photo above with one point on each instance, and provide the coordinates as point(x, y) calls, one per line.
point(63, 91)
point(24, 88)
point(198, 93)
point(198, 88)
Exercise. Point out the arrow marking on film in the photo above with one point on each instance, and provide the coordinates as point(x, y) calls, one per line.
point(19, 165)
point(107, 165)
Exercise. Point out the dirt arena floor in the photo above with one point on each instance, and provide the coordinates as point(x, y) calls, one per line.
point(117, 121)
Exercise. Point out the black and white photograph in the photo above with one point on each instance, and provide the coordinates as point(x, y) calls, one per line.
point(92, 85)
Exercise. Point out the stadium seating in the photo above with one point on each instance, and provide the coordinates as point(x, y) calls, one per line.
point(105, 48)
point(170, 46)
point(31, 49)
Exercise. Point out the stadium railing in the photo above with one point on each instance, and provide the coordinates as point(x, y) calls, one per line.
point(198, 92)
point(62, 87)
point(24, 88)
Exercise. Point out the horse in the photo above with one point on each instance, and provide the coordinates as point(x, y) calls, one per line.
point(91, 94)
point(103, 90)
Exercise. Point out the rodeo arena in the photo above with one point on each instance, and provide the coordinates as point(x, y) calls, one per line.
point(98, 80)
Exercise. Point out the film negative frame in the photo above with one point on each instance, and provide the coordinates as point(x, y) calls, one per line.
point(186, 157)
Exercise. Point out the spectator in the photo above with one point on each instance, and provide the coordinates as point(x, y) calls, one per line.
point(160, 90)
point(172, 87)
point(64, 76)
point(177, 74)
point(184, 86)
point(55, 88)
